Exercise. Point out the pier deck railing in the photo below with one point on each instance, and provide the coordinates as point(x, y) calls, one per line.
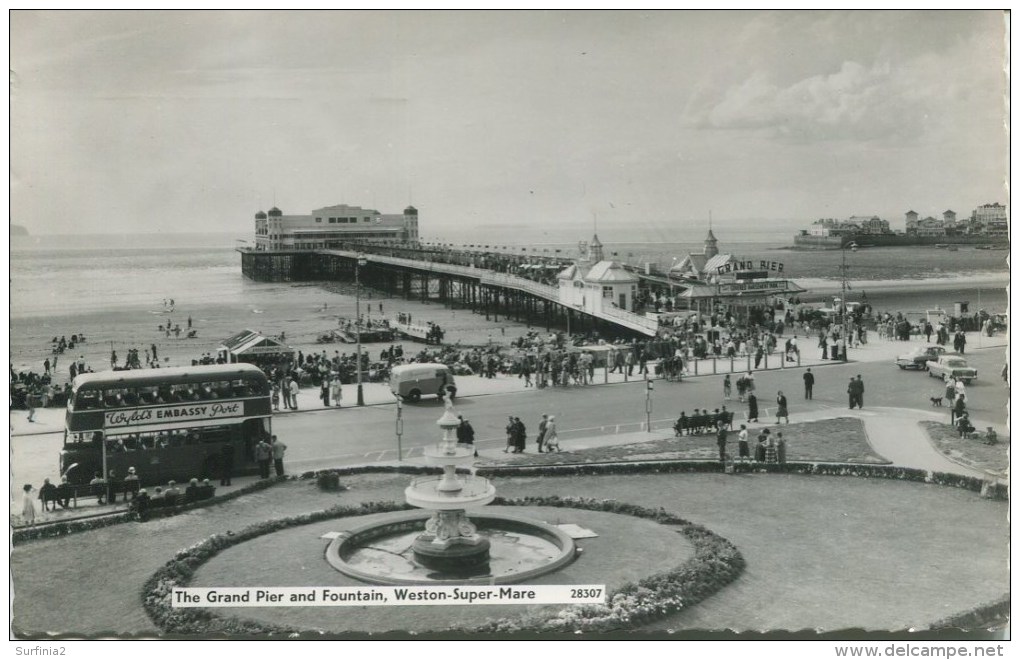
point(622, 317)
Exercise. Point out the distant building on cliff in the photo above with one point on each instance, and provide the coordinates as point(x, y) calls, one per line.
point(330, 226)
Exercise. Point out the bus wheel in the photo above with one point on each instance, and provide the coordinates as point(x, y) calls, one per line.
point(414, 396)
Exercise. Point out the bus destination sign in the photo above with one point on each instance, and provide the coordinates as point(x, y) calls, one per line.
point(139, 416)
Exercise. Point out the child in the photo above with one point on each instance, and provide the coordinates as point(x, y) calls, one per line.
point(276, 396)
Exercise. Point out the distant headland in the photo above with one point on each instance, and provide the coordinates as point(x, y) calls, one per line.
point(18, 230)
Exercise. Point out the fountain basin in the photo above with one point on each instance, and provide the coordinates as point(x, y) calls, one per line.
point(383, 552)
point(427, 493)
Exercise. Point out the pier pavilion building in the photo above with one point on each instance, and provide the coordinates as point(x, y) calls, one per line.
point(330, 226)
point(593, 284)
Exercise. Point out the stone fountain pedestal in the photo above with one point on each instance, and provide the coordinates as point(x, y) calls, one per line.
point(450, 543)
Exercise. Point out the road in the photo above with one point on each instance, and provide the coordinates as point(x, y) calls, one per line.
point(331, 437)
point(344, 437)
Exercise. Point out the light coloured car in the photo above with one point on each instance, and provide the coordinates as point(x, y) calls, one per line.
point(954, 365)
point(920, 356)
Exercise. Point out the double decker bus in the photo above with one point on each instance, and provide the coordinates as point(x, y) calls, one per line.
point(173, 423)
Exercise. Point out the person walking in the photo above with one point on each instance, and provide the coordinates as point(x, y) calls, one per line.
point(466, 434)
point(30, 404)
point(27, 505)
point(278, 450)
point(263, 454)
point(743, 450)
point(552, 440)
point(720, 441)
point(336, 388)
point(860, 391)
point(520, 435)
point(809, 384)
point(285, 390)
point(541, 431)
point(851, 391)
point(510, 430)
point(324, 391)
point(782, 412)
point(752, 407)
point(226, 463)
point(727, 387)
point(292, 385)
point(780, 448)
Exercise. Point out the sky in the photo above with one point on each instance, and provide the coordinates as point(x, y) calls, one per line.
point(532, 126)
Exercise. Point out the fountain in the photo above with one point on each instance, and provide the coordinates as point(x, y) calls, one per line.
point(451, 542)
point(489, 548)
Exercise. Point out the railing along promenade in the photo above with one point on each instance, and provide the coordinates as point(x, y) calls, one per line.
point(487, 277)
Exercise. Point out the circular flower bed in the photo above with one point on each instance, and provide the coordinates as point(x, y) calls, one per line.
point(716, 563)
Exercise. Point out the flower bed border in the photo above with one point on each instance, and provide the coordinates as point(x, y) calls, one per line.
point(715, 564)
point(986, 487)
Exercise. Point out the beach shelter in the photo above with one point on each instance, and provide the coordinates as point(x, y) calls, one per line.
point(253, 347)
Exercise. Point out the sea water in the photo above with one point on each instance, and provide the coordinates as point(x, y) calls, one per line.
point(70, 275)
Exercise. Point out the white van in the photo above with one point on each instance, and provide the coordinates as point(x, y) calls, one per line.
point(411, 381)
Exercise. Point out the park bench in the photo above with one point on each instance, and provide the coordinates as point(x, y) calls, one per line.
point(696, 424)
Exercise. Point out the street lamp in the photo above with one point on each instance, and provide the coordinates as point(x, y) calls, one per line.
point(846, 317)
point(358, 263)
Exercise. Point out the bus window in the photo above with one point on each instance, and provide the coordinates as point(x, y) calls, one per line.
point(148, 395)
point(87, 400)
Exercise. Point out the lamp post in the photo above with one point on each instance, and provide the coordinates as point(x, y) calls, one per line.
point(358, 263)
point(846, 318)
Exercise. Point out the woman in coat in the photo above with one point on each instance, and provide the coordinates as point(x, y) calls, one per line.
point(782, 412)
point(511, 435)
point(752, 407)
point(552, 440)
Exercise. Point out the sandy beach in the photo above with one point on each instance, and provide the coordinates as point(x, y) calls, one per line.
point(297, 311)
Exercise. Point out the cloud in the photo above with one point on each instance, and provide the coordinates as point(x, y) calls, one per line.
point(854, 103)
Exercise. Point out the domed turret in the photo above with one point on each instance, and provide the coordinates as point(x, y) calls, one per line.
point(410, 210)
point(261, 215)
point(275, 212)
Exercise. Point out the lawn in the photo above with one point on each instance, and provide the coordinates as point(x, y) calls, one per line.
point(840, 440)
point(626, 549)
point(822, 552)
point(972, 452)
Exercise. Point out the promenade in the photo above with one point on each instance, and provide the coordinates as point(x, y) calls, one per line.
point(893, 432)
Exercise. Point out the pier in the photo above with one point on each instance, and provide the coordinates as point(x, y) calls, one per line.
point(483, 290)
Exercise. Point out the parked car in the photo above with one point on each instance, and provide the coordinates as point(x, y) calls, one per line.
point(954, 365)
point(919, 357)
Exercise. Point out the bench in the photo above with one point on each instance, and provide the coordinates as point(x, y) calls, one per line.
point(74, 492)
point(703, 423)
